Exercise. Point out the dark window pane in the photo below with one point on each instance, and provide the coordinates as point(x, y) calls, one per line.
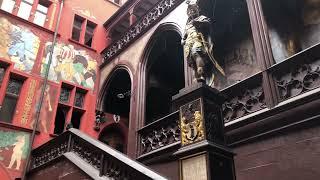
point(14, 86)
point(76, 119)
point(10, 100)
point(2, 72)
point(8, 108)
point(89, 33)
point(65, 95)
point(76, 34)
point(90, 27)
point(88, 39)
point(76, 30)
point(60, 120)
point(77, 22)
point(79, 99)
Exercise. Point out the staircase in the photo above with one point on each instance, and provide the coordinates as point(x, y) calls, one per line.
point(75, 155)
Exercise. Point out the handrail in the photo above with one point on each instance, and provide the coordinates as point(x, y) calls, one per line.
point(108, 161)
point(160, 134)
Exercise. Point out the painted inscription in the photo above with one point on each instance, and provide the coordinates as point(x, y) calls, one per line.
point(28, 103)
point(194, 168)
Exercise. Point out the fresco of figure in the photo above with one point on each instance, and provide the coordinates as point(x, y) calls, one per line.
point(17, 152)
point(198, 46)
point(71, 65)
point(46, 112)
point(18, 44)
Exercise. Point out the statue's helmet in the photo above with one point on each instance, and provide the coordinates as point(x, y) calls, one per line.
point(193, 8)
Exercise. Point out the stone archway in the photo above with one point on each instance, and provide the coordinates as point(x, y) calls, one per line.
point(115, 102)
point(117, 93)
point(162, 73)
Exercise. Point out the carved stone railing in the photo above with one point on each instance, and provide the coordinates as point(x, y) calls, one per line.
point(160, 10)
point(107, 161)
point(160, 133)
point(298, 74)
point(244, 98)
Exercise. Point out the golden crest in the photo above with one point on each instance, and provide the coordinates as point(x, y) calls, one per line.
point(192, 131)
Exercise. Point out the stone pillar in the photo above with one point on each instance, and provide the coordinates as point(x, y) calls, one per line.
point(203, 154)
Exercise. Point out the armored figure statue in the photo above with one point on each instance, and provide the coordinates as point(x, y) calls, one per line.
point(198, 46)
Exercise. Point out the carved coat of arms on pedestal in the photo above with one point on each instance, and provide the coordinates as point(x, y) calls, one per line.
point(191, 122)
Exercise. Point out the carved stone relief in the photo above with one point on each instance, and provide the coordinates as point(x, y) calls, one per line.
point(298, 80)
point(244, 103)
point(213, 122)
point(165, 134)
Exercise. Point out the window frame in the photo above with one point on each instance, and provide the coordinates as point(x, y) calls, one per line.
point(7, 66)
point(84, 31)
point(93, 26)
point(46, 4)
point(13, 7)
point(9, 74)
point(27, 3)
point(34, 10)
point(79, 28)
point(70, 106)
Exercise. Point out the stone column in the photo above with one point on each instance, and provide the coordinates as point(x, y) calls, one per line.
point(203, 154)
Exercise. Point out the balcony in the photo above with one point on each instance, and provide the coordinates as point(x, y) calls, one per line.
point(127, 34)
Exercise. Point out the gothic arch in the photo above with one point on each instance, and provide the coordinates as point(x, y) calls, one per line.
point(168, 28)
point(107, 82)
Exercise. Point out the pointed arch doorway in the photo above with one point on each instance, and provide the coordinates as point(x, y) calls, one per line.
point(115, 103)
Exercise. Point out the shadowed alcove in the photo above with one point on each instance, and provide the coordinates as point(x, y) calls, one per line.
point(164, 74)
point(117, 94)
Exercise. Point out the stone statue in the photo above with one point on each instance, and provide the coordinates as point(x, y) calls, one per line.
point(198, 45)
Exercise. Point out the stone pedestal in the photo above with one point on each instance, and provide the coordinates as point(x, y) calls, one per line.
point(203, 154)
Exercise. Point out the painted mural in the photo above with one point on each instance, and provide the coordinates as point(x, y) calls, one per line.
point(70, 64)
point(47, 110)
point(14, 146)
point(18, 44)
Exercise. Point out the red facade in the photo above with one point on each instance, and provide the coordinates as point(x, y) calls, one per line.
point(26, 33)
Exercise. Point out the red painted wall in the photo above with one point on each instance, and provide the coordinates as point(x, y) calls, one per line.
point(15, 136)
point(96, 11)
